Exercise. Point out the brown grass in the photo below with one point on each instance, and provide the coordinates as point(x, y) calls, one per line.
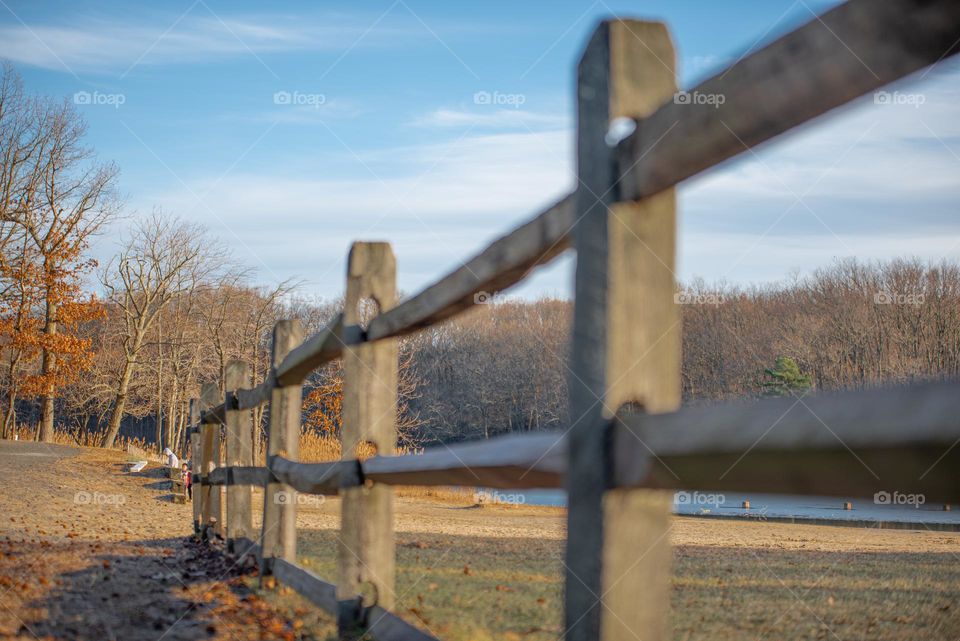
point(318, 448)
point(496, 573)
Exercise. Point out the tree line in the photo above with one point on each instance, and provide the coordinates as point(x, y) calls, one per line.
point(503, 367)
point(87, 348)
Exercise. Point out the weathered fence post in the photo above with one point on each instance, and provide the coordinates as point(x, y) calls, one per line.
point(367, 552)
point(195, 463)
point(279, 534)
point(212, 518)
point(626, 346)
point(239, 453)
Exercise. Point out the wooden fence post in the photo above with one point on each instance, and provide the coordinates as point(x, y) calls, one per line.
point(239, 453)
point(279, 534)
point(367, 548)
point(212, 518)
point(626, 346)
point(195, 463)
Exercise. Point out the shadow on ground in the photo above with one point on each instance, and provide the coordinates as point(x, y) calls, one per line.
point(155, 591)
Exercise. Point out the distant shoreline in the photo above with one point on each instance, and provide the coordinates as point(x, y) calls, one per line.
point(934, 526)
point(802, 510)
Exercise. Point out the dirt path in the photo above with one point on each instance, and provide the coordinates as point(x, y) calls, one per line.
point(89, 551)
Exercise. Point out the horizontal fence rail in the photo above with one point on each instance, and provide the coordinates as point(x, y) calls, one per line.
point(845, 444)
point(801, 439)
point(615, 462)
point(846, 53)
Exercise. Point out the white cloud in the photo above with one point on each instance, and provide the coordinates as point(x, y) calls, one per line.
point(437, 203)
point(98, 45)
point(882, 181)
point(876, 181)
point(305, 115)
point(492, 118)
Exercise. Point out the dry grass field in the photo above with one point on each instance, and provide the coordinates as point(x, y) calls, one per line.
point(92, 570)
point(495, 572)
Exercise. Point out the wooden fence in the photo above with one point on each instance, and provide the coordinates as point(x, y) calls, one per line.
point(628, 442)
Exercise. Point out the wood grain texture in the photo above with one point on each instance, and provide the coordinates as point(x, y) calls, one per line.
point(626, 343)
point(845, 53)
point(212, 510)
point(515, 461)
point(643, 347)
point(248, 399)
point(239, 446)
point(196, 456)
point(279, 534)
point(366, 542)
point(586, 480)
point(852, 444)
point(239, 476)
point(316, 478)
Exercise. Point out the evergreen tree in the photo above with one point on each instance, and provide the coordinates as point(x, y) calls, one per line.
point(785, 379)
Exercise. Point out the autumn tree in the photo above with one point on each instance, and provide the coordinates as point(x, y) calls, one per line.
point(323, 402)
point(18, 324)
point(58, 199)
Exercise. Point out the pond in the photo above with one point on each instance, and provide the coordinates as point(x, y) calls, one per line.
point(884, 507)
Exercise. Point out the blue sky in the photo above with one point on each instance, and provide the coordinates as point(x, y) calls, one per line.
point(292, 129)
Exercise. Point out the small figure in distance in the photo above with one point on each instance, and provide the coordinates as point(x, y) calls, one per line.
point(187, 478)
point(172, 460)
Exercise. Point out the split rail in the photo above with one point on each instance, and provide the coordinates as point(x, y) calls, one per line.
point(630, 444)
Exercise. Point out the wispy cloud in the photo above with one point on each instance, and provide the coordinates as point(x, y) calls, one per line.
point(100, 45)
point(305, 115)
point(492, 119)
point(875, 181)
point(437, 203)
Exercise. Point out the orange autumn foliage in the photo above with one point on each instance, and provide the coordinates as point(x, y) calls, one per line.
point(37, 284)
point(324, 406)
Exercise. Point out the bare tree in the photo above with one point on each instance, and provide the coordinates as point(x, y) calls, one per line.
point(163, 258)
